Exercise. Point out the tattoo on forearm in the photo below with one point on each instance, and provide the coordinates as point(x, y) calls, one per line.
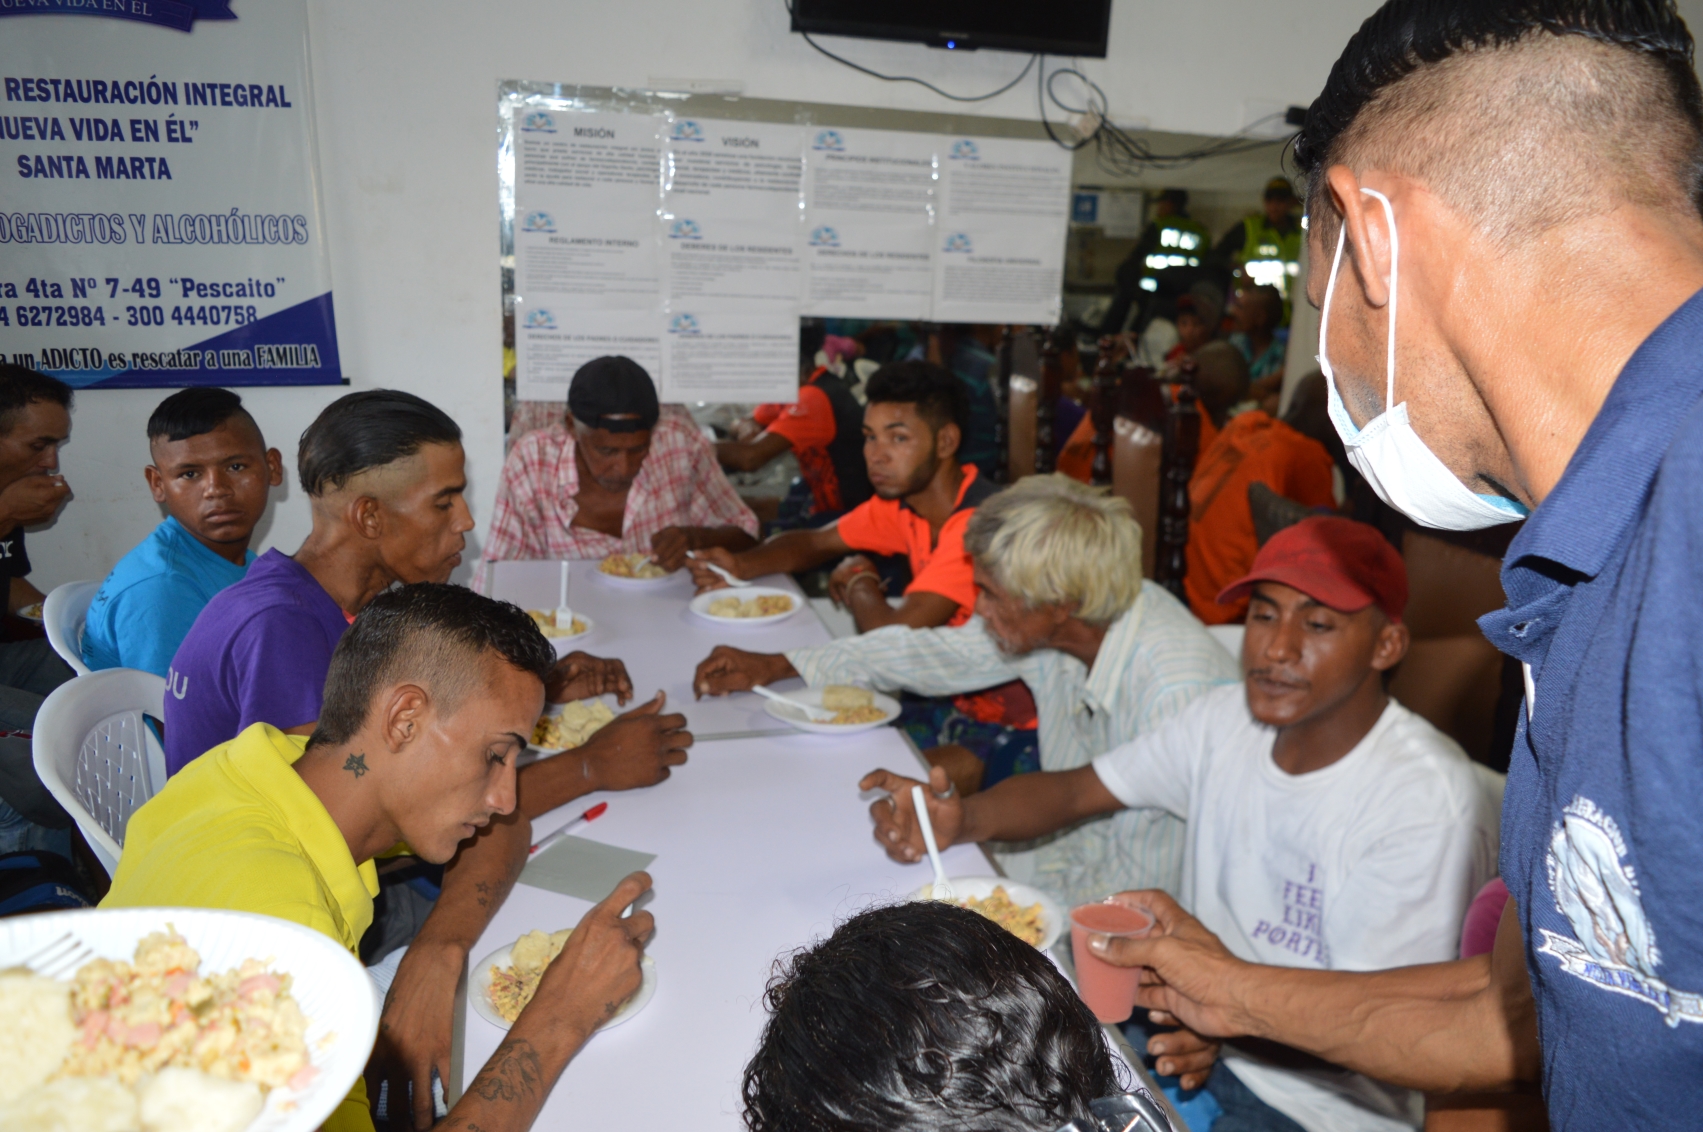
point(356, 764)
point(483, 887)
point(513, 1074)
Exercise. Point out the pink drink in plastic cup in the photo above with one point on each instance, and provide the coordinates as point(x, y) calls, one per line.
point(1109, 991)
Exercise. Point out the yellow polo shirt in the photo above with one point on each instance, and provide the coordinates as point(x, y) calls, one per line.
point(238, 828)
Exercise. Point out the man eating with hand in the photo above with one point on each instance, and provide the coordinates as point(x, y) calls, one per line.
point(617, 476)
point(1328, 827)
point(429, 701)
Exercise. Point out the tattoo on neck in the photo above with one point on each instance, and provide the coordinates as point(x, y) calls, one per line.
point(356, 764)
point(514, 1073)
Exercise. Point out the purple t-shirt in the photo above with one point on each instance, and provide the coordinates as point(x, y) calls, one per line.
point(258, 653)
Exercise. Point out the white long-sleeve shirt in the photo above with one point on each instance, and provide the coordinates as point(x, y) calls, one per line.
point(1155, 658)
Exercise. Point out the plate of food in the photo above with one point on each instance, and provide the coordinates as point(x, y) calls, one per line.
point(1023, 910)
point(505, 980)
point(751, 605)
point(180, 1019)
point(546, 619)
point(563, 727)
point(856, 709)
point(31, 612)
point(633, 570)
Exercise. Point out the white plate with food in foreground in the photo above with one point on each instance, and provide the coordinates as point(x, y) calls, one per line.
point(750, 605)
point(328, 985)
point(633, 570)
point(31, 612)
point(563, 727)
point(1025, 911)
point(858, 704)
point(546, 619)
point(502, 961)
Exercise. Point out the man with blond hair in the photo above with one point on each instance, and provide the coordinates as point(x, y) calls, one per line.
point(1062, 607)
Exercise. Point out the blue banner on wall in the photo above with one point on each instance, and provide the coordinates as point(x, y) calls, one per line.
point(161, 220)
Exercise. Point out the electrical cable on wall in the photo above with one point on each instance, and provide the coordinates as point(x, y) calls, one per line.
point(1117, 150)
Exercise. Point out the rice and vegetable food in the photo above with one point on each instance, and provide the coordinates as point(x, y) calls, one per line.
point(546, 619)
point(1024, 923)
point(572, 727)
point(631, 566)
point(851, 704)
point(766, 605)
point(151, 1045)
point(512, 987)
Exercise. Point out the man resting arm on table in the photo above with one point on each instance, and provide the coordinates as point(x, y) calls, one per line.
point(429, 701)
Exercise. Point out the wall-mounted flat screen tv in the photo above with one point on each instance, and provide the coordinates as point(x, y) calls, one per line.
point(1059, 27)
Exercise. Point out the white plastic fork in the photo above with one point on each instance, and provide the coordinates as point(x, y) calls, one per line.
point(564, 615)
point(60, 956)
point(725, 574)
point(811, 712)
point(942, 889)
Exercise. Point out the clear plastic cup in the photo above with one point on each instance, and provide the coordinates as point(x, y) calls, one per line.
point(1107, 990)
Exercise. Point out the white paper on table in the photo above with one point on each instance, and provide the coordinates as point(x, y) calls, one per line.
point(722, 354)
point(1000, 230)
point(869, 211)
point(586, 198)
point(555, 335)
point(723, 170)
point(738, 262)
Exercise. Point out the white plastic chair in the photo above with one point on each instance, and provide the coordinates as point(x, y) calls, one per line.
point(95, 754)
point(62, 615)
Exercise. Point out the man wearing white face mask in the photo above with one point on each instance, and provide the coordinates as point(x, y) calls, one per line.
point(1508, 252)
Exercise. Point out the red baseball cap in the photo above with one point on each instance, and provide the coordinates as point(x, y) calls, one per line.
point(1335, 561)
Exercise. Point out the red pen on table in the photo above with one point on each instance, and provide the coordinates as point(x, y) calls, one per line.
point(590, 815)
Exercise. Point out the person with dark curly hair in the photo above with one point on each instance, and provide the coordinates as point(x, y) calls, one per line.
point(925, 1016)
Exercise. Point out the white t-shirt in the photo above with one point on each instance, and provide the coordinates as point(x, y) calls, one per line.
point(1366, 864)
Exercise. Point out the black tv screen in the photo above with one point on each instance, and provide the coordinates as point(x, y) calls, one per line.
point(1061, 27)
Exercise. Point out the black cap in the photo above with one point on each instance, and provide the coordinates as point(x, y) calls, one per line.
point(613, 393)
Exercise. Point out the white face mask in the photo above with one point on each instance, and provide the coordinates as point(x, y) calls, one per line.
point(1404, 472)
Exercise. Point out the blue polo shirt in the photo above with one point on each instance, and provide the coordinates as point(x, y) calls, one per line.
point(145, 607)
point(1602, 827)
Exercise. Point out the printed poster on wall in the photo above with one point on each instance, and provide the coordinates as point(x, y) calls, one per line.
point(162, 223)
point(869, 213)
point(1000, 232)
point(587, 273)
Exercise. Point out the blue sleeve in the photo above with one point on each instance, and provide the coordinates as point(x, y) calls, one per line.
point(146, 623)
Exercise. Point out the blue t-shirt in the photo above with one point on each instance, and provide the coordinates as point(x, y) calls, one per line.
point(147, 604)
point(257, 654)
point(1602, 827)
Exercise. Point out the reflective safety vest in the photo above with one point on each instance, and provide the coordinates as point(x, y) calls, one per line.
point(1182, 243)
point(1270, 257)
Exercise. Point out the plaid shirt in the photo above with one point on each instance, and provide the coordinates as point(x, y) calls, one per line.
point(678, 485)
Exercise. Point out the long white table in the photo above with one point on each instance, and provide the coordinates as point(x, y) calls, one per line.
point(651, 631)
point(762, 845)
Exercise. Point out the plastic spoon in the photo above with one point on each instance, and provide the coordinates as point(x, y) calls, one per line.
point(812, 713)
point(564, 615)
point(942, 890)
point(725, 574)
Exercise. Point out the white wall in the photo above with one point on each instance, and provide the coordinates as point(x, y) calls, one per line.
point(406, 95)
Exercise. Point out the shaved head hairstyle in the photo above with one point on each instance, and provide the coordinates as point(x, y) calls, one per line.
point(1519, 114)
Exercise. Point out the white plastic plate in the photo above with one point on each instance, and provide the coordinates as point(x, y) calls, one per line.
point(813, 697)
point(330, 985)
point(1053, 920)
point(701, 604)
point(479, 988)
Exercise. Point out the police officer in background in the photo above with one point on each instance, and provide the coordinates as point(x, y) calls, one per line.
point(1171, 239)
point(1264, 249)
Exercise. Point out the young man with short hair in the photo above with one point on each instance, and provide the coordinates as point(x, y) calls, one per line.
point(429, 701)
point(913, 425)
point(617, 476)
point(1328, 827)
point(213, 472)
point(1064, 609)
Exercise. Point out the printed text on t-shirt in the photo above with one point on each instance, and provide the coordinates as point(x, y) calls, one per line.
point(1303, 914)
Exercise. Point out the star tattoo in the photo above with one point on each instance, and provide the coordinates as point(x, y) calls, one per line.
point(356, 765)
